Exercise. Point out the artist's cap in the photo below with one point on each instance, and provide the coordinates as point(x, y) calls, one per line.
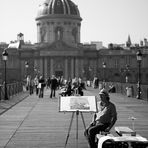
point(104, 92)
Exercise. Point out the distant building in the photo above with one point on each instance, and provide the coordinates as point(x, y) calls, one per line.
point(59, 50)
point(145, 42)
point(128, 43)
point(99, 44)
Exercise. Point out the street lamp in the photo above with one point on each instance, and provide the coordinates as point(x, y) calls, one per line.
point(104, 66)
point(26, 66)
point(83, 73)
point(104, 77)
point(127, 73)
point(5, 58)
point(90, 70)
point(139, 59)
point(36, 70)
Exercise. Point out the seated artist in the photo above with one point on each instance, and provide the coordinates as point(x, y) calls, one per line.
point(103, 120)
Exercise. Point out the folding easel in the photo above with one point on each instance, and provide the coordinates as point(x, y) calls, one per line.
point(77, 114)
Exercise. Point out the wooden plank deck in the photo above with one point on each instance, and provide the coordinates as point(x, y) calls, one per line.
point(37, 123)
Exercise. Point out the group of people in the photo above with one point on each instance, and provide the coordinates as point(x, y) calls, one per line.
point(38, 83)
point(67, 87)
point(103, 120)
point(73, 87)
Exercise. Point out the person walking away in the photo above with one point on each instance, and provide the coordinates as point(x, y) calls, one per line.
point(53, 86)
point(48, 82)
point(103, 120)
point(80, 90)
point(41, 87)
point(31, 86)
point(27, 82)
point(69, 89)
point(36, 83)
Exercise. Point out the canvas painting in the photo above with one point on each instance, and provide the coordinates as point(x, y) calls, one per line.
point(78, 103)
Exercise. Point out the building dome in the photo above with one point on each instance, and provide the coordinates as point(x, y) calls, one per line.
point(57, 7)
point(58, 20)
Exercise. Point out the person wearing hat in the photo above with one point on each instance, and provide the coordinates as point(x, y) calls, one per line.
point(103, 120)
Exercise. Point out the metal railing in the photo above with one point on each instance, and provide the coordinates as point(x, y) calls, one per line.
point(122, 88)
point(12, 89)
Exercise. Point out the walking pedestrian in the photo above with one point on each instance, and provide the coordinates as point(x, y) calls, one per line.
point(36, 83)
point(41, 87)
point(53, 86)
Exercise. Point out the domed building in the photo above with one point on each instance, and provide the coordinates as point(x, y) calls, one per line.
point(58, 20)
point(58, 49)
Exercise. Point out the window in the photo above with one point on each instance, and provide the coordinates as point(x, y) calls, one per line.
point(59, 33)
point(74, 34)
point(116, 63)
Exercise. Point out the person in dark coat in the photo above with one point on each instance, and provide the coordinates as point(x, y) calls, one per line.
point(53, 86)
point(69, 89)
point(41, 87)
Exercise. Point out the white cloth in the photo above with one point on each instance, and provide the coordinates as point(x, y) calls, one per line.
point(39, 85)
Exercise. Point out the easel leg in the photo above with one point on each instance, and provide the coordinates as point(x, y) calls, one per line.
point(83, 121)
point(77, 114)
point(69, 129)
point(84, 124)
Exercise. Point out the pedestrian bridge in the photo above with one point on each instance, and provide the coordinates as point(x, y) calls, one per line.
point(37, 123)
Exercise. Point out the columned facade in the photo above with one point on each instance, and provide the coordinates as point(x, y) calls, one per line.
point(58, 35)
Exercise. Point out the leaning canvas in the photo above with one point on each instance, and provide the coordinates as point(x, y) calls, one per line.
point(78, 103)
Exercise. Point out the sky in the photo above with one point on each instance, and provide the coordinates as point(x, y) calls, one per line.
point(109, 21)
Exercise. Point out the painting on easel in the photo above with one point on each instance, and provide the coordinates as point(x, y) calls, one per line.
point(78, 103)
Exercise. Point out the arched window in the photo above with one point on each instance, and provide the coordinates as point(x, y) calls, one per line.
point(59, 33)
point(74, 34)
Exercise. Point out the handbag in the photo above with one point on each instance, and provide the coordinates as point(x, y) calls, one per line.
point(39, 85)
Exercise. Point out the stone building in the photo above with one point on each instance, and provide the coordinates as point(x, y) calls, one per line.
point(59, 50)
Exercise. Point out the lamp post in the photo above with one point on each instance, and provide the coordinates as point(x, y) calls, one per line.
point(90, 70)
point(104, 77)
point(5, 58)
point(83, 73)
point(139, 59)
point(26, 66)
point(104, 67)
point(36, 70)
point(127, 73)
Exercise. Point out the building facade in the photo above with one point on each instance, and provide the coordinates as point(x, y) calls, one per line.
point(59, 51)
